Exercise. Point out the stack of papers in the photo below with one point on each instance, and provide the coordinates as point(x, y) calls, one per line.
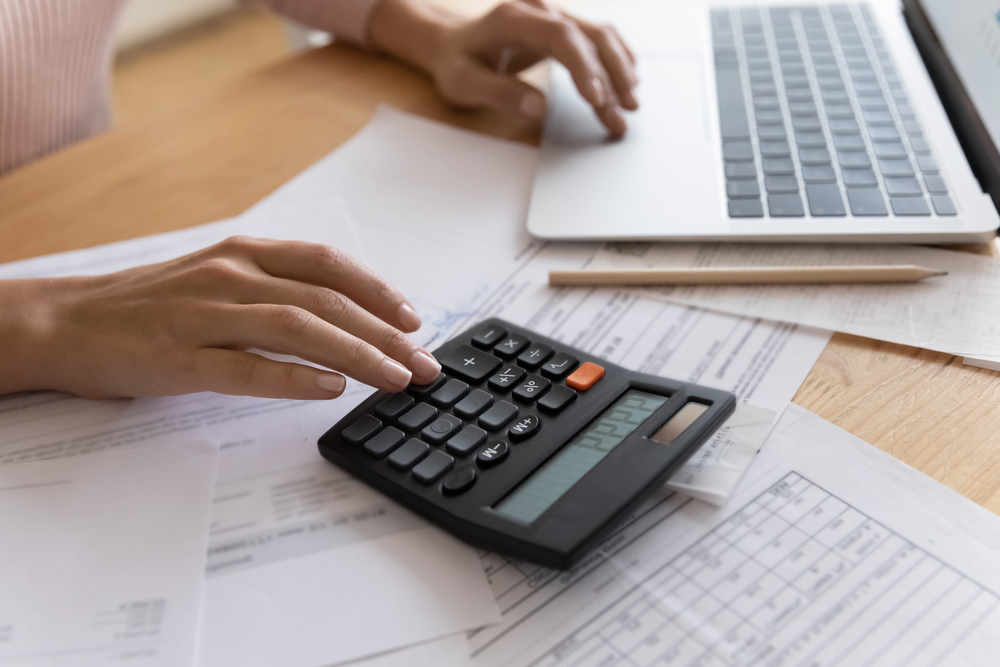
point(797, 554)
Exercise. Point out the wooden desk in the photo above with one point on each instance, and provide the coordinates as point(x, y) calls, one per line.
point(219, 155)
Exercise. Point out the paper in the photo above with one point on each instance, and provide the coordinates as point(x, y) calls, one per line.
point(366, 577)
point(439, 210)
point(103, 556)
point(832, 553)
point(956, 314)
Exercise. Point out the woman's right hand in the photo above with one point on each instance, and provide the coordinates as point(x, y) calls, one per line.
point(186, 325)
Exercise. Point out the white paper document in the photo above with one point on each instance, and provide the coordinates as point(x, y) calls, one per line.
point(103, 556)
point(832, 553)
point(956, 313)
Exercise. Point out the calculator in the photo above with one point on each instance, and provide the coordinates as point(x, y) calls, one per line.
point(524, 445)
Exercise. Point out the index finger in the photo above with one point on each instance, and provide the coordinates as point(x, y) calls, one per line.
point(326, 266)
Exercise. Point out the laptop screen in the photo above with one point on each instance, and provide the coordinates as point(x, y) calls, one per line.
point(969, 31)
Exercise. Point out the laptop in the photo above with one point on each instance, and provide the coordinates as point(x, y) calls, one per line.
point(805, 122)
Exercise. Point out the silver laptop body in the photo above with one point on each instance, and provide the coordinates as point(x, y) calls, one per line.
point(801, 122)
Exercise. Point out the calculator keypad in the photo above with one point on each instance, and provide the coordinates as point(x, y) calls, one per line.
point(451, 419)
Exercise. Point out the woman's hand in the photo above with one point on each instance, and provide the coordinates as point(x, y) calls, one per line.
point(473, 61)
point(185, 326)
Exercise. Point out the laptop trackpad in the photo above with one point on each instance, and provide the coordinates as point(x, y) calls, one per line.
point(672, 100)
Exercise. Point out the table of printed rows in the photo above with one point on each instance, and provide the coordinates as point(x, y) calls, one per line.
point(796, 577)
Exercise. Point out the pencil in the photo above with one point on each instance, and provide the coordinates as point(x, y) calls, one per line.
point(747, 275)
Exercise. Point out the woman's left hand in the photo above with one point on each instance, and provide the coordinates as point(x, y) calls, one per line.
point(473, 62)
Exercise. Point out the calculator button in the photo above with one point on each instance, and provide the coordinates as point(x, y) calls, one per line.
point(556, 398)
point(585, 377)
point(422, 391)
point(409, 454)
point(385, 442)
point(392, 407)
point(473, 404)
point(511, 346)
point(559, 366)
point(497, 417)
point(441, 429)
point(492, 455)
point(488, 336)
point(531, 388)
point(450, 393)
point(361, 430)
point(466, 441)
point(458, 481)
point(524, 428)
point(508, 377)
point(470, 363)
point(534, 356)
point(431, 468)
point(418, 417)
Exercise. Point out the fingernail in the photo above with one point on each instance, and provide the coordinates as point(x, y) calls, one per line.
point(395, 373)
point(424, 365)
point(617, 124)
point(409, 318)
point(533, 105)
point(598, 93)
point(331, 382)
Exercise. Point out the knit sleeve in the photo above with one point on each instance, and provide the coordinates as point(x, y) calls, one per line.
point(346, 19)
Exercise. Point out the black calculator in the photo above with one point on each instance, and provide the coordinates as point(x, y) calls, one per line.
point(523, 445)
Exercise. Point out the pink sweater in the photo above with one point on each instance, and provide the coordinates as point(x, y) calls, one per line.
point(55, 66)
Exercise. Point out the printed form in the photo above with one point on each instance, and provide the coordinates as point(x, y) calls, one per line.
point(832, 553)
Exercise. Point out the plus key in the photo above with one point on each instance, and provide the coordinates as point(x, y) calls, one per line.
point(469, 363)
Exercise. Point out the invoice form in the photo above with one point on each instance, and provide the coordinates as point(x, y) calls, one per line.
point(832, 553)
point(102, 556)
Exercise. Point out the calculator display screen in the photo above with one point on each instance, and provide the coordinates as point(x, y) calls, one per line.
point(540, 491)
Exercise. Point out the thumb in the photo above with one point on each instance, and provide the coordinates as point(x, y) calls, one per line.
point(474, 85)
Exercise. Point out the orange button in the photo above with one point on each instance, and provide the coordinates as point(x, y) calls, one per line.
point(584, 377)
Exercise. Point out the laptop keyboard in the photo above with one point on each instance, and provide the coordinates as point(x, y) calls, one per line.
point(815, 120)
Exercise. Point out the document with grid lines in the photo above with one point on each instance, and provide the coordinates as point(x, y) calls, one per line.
point(833, 553)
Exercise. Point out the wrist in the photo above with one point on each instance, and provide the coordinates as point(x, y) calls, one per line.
point(26, 333)
point(412, 31)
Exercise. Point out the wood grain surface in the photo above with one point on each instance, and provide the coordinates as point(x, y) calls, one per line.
point(217, 155)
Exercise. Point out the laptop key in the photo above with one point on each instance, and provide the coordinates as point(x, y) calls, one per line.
point(819, 175)
point(825, 200)
point(781, 184)
point(927, 164)
point(920, 146)
point(771, 133)
point(814, 156)
point(785, 206)
point(860, 178)
point(770, 117)
point(879, 134)
point(890, 150)
point(907, 206)
point(854, 160)
point(903, 187)
point(732, 109)
point(741, 171)
point(802, 109)
point(892, 168)
point(742, 189)
point(775, 149)
point(943, 205)
point(840, 111)
point(806, 124)
point(935, 185)
point(745, 208)
point(737, 151)
point(844, 127)
point(778, 165)
point(848, 142)
point(810, 140)
point(866, 202)
point(877, 117)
